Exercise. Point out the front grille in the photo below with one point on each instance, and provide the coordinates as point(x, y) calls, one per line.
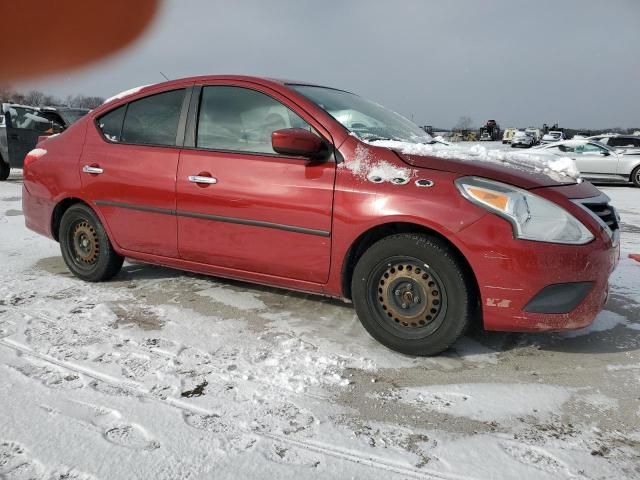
point(606, 213)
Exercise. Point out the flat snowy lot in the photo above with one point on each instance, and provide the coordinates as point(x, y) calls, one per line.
point(161, 374)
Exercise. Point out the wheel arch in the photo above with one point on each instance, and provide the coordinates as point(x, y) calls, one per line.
point(58, 211)
point(634, 171)
point(378, 232)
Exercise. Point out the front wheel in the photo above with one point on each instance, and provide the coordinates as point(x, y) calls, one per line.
point(85, 246)
point(5, 170)
point(412, 294)
point(635, 177)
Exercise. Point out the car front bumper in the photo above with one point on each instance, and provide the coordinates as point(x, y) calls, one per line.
point(528, 286)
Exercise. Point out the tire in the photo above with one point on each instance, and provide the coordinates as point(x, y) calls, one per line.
point(424, 318)
point(5, 170)
point(635, 177)
point(85, 246)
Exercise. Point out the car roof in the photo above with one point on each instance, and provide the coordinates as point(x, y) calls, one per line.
point(576, 142)
point(64, 109)
point(246, 78)
point(275, 83)
point(19, 105)
point(616, 135)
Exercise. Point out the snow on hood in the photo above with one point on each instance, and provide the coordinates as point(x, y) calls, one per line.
point(558, 168)
point(366, 167)
point(126, 93)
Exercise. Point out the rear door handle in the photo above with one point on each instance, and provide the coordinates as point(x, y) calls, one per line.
point(201, 179)
point(93, 170)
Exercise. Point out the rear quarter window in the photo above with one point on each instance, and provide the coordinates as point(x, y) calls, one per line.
point(152, 120)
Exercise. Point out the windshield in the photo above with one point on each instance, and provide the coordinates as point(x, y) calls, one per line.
point(366, 119)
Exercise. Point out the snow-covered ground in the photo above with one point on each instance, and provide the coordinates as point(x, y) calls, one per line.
point(161, 374)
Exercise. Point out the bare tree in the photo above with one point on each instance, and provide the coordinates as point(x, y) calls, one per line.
point(464, 123)
point(35, 98)
point(93, 102)
point(51, 101)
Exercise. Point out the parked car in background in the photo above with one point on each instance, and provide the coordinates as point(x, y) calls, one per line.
point(537, 134)
point(19, 131)
point(508, 135)
point(485, 137)
point(597, 162)
point(626, 143)
point(64, 116)
point(522, 139)
point(553, 136)
point(267, 181)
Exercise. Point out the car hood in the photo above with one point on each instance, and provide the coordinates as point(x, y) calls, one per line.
point(519, 175)
point(519, 169)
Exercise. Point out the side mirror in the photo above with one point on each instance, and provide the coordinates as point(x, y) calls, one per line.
point(299, 142)
point(605, 153)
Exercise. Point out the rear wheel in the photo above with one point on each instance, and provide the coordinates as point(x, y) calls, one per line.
point(412, 294)
point(5, 170)
point(85, 247)
point(635, 177)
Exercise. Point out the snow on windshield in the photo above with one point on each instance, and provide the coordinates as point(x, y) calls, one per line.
point(552, 166)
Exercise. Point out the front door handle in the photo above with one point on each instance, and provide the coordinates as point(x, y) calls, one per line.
point(202, 179)
point(93, 170)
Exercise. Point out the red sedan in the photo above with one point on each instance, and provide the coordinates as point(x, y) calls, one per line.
point(282, 183)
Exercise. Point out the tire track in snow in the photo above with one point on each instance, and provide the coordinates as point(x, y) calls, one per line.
point(318, 447)
point(43, 315)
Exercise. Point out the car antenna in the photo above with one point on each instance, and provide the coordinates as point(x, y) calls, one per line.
point(165, 77)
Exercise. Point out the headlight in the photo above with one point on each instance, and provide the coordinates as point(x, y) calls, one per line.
point(532, 217)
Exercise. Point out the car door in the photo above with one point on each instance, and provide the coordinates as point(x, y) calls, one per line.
point(241, 205)
point(23, 127)
point(592, 158)
point(128, 170)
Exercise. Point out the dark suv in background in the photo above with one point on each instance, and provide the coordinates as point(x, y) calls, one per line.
point(21, 125)
point(619, 142)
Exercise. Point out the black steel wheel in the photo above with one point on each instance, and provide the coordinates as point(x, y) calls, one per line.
point(413, 294)
point(85, 246)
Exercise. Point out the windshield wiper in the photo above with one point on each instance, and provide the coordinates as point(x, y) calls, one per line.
point(375, 139)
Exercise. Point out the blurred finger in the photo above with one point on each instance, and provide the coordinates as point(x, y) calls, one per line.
point(48, 37)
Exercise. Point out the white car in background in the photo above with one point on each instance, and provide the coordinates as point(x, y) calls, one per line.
point(522, 139)
point(596, 161)
point(553, 136)
point(537, 134)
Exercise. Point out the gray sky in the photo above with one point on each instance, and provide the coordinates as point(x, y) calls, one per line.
point(576, 62)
